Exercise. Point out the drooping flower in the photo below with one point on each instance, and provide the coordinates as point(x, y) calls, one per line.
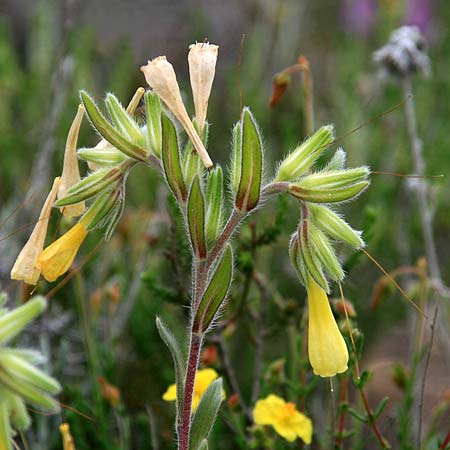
point(57, 258)
point(202, 67)
point(71, 173)
point(25, 266)
point(287, 421)
point(327, 350)
point(203, 379)
point(161, 77)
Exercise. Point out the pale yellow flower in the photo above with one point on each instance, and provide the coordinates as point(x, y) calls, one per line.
point(57, 258)
point(287, 421)
point(202, 67)
point(160, 76)
point(71, 173)
point(327, 350)
point(66, 435)
point(25, 266)
point(203, 379)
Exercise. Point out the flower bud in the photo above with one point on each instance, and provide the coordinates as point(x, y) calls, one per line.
point(214, 202)
point(236, 157)
point(334, 179)
point(25, 266)
point(202, 66)
point(327, 195)
point(71, 172)
point(103, 154)
point(153, 113)
point(302, 158)
point(196, 219)
point(161, 78)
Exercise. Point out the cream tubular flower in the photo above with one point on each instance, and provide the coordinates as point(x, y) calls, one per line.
point(161, 77)
point(71, 172)
point(202, 67)
point(327, 350)
point(25, 266)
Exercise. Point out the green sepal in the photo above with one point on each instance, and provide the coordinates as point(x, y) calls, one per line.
point(216, 292)
point(327, 195)
point(5, 428)
point(324, 251)
point(123, 121)
point(178, 361)
point(108, 132)
point(249, 189)
point(153, 110)
point(214, 202)
point(196, 219)
point(334, 179)
point(310, 260)
point(206, 415)
point(337, 162)
point(171, 159)
point(296, 259)
point(107, 156)
point(20, 418)
point(236, 157)
point(13, 322)
point(336, 227)
point(91, 185)
point(99, 212)
point(192, 163)
point(304, 156)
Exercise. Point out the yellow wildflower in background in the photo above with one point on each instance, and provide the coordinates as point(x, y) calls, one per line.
point(327, 350)
point(57, 258)
point(203, 379)
point(287, 421)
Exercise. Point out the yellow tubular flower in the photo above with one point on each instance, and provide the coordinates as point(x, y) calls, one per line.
point(71, 172)
point(284, 417)
point(327, 350)
point(67, 439)
point(202, 381)
point(25, 266)
point(56, 259)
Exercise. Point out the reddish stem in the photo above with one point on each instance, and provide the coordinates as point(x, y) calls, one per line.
point(446, 442)
point(384, 444)
point(340, 437)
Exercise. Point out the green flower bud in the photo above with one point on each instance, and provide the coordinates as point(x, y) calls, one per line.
point(249, 189)
point(171, 159)
point(303, 157)
point(337, 162)
point(106, 155)
point(334, 179)
point(123, 121)
point(20, 418)
point(336, 227)
point(196, 219)
point(153, 112)
point(296, 259)
point(327, 195)
point(100, 211)
point(214, 202)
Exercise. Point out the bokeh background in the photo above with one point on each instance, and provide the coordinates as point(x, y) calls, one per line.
point(101, 324)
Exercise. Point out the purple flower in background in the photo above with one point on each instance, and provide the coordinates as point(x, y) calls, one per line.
point(420, 13)
point(359, 16)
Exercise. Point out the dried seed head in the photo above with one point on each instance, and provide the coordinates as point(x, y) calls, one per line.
point(161, 77)
point(404, 54)
point(25, 266)
point(71, 172)
point(202, 66)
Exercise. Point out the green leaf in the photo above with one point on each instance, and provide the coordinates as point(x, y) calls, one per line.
point(216, 291)
point(171, 159)
point(178, 360)
point(154, 131)
point(358, 416)
point(214, 202)
point(108, 132)
point(205, 415)
point(123, 121)
point(381, 407)
point(249, 189)
point(196, 219)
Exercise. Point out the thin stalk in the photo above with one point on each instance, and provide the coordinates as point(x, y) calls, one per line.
point(341, 423)
point(384, 444)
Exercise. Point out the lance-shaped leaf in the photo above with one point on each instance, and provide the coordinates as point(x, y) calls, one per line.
point(324, 251)
point(206, 414)
point(303, 157)
point(108, 132)
point(196, 219)
point(178, 360)
point(171, 159)
point(334, 179)
point(153, 112)
point(310, 260)
point(123, 121)
point(249, 189)
point(327, 195)
point(236, 157)
point(336, 227)
point(216, 292)
point(214, 202)
point(91, 185)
